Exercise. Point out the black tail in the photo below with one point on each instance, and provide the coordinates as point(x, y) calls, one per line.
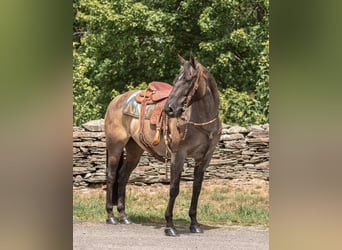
point(116, 183)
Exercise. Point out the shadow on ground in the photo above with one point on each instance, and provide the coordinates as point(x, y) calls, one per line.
point(181, 225)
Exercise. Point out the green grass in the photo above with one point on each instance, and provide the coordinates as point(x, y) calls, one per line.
point(217, 205)
point(90, 208)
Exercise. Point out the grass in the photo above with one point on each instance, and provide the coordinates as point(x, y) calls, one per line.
point(218, 204)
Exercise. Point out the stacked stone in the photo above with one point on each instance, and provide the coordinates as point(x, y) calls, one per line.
point(258, 152)
point(89, 160)
point(148, 171)
point(242, 154)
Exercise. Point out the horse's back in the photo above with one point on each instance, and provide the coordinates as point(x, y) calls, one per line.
point(116, 123)
point(121, 126)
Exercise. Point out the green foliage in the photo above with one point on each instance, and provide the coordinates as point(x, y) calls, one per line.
point(129, 87)
point(119, 44)
point(240, 108)
point(262, 86)
point(85, 104)
point(142, 85)
point(127, 43)
point(234, 35)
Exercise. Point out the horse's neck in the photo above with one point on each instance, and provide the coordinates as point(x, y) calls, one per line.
point(207, 107)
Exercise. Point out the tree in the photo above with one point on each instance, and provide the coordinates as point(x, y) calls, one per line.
point(126, 42)
point(234, 35)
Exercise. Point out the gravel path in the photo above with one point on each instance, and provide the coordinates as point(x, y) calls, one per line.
point(95, 235)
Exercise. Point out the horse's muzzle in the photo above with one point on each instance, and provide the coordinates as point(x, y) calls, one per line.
point(172, 111)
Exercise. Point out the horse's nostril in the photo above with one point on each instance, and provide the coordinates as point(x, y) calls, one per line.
point(169, 108)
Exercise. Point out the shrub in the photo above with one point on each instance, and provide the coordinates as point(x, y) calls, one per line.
point(240, 108)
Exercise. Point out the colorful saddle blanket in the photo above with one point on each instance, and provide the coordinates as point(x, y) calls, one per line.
point(148, 105)
point(132, 107)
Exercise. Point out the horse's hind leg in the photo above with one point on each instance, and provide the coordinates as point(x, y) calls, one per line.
point(133, 153)
point(114, 161)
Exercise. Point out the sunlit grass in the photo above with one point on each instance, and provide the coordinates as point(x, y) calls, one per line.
point(90, 207)
point(217, 205)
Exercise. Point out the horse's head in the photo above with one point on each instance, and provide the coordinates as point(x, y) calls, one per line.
point(187, 87)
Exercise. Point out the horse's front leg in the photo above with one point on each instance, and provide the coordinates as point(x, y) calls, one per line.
point(196, 190)
point(177, 161)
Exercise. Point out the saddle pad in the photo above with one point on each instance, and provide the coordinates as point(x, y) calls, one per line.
point(132, 108)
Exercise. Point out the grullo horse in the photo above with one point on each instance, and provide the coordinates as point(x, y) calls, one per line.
point(192, 129)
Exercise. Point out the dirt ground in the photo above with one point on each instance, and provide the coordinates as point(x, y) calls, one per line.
point(98, 235)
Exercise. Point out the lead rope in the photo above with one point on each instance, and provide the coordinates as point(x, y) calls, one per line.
point(166, 128)
point(186, 126)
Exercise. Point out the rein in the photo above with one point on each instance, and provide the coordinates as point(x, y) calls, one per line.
point(199, 123)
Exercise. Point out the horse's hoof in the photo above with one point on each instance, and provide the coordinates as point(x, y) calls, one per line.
point(112, 221)
point(170, 231)
point(196, 229)
point(125, 221)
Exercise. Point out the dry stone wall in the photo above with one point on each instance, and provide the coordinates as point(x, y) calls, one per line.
point(242, 154)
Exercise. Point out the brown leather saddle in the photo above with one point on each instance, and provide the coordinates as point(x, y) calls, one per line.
point(156, 93)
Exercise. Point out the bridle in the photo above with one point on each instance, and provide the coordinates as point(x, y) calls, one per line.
point(190, 97)
point(193, 89)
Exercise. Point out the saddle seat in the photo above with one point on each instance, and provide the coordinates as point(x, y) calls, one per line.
point(157, 94)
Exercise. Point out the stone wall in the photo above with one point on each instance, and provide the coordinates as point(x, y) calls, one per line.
point(242, 154)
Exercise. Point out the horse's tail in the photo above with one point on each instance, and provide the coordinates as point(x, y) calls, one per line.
point(116, 183)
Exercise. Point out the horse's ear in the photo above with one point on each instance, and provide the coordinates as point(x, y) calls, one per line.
point(193, 60)
point(181, 59)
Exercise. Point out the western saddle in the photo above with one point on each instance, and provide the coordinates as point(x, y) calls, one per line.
point(157, 94)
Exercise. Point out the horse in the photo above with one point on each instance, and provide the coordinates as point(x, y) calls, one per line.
point(192, 129)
